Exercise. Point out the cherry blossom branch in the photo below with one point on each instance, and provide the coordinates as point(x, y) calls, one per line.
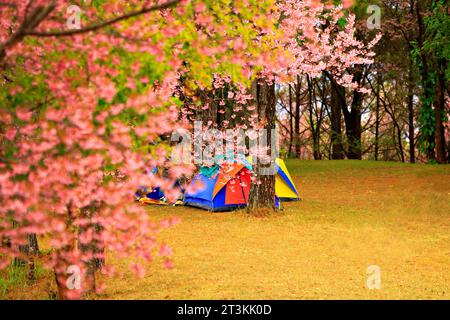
point(10, 5)
point(29, 22)
point(103, 24)
point(40, 13)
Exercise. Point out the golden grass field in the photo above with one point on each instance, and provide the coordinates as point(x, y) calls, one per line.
point(353, 214)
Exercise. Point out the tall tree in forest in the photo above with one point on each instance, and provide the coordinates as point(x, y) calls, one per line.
point(431, 53)
point(437, 44)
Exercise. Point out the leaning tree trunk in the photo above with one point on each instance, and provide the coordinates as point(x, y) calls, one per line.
point(262, 193)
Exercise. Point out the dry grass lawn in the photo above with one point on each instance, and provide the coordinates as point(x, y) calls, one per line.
point(353, 214)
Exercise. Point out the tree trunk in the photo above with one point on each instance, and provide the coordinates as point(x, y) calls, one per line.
point(352, 118)
point(448, 151)
point(67, 279)
point(427, 85)
point(291, 118)
point(439, 111)
point(397, 129)
point(33, 250)
point(314, 125)
point(411, 133)
point(353, 121)
point(399, 141)
point(29, 251)
point(336, 122)
point(87, 248)
point(297, 118)
point(353, 131)
point(262, 194)
point(377, 125)
point(92, 248)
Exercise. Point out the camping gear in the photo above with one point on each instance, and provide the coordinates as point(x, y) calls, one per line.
point(228, 189)
point(154, 195)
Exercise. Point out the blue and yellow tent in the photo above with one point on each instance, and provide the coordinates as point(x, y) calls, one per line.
point(284, 186)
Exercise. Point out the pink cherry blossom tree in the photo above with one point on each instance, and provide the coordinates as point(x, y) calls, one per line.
point(105, 97)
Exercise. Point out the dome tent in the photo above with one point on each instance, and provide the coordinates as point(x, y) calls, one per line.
point(285, 189)
point(229, 187)
point(284, 185)
point(226, 190)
